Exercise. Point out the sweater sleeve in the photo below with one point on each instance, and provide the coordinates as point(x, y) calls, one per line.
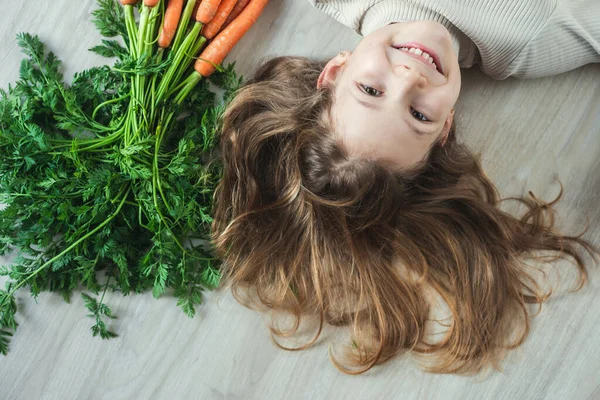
point(568, 40)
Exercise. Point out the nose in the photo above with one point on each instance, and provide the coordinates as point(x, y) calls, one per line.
point(409, 77)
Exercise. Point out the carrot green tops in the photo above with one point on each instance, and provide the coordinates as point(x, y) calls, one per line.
point(521, 38)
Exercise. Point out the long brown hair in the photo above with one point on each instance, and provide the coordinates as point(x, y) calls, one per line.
point(315, 231)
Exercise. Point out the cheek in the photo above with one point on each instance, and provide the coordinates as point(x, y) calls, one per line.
point(369, 64)
point(445, 98)
point(455, 81)
point(452, 93)
point(458, 84)
point(372, 48)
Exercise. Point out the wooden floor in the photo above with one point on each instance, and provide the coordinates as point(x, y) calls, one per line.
point(529, 133)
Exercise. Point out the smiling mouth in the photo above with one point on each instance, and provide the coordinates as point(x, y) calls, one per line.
point(422, 54)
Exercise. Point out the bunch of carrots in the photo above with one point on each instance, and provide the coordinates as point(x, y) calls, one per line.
point(184, 30)
point(222, 22)
point(108, 173)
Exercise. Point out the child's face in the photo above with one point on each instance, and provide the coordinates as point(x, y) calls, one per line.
point(393, 103)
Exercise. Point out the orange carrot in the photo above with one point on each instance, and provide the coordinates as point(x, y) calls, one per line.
point(172, 16)
point(220, 46)
point(239, 7)
point(213, 27)
point(151, 3)
point(207, 10)
point(129, 2)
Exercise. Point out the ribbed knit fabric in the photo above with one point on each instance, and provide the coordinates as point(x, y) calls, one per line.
point(521, 38)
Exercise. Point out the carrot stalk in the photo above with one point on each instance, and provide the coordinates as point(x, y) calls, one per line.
point(221, 45)
point(151, 38)
point(148, 17)
point(187, 86)
point(131, 29)
point(237, 10)
point(184, 21)
point(193, 50)
point(173, 70)
point(197, 47)
point(153, 21)
point(184, 50)
point(213, 27)
point(207, 10)
point(172, 16)
point(144, 14)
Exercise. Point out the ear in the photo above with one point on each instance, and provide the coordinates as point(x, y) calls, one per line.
point(332, 69)
point(447, 126)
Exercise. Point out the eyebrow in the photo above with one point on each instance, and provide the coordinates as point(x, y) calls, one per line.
point(374, 106)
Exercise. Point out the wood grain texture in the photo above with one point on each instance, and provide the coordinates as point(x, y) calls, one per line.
point(528, 133)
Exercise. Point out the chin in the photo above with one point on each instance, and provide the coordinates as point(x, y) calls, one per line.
point(422, 30)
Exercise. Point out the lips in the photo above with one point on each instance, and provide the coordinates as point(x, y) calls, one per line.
point(432, 54)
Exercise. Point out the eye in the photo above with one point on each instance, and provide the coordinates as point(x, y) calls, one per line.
point(418, 115)
point(370, 90)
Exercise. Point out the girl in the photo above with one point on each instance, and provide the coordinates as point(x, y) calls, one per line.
point(346, 196)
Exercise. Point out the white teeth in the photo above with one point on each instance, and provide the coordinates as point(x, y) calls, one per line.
point(420, 52)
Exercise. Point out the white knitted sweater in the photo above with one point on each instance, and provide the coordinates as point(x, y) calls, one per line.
point(521, 38)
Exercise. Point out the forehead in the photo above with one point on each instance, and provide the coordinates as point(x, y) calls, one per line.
point(365, 129)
